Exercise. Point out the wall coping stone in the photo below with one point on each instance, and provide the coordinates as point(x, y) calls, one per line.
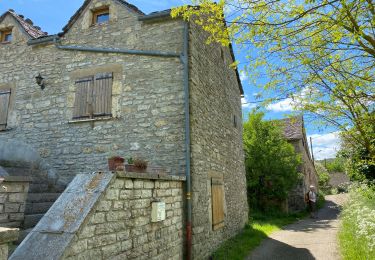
point(8, 234)
point(150, 176)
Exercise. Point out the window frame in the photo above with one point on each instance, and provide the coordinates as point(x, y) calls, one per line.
point(90, 104)
point(98, 12)
point(8, 92)
point(3, 35)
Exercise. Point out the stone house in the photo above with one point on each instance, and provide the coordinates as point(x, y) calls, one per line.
point(295, 134)
point(116, 81)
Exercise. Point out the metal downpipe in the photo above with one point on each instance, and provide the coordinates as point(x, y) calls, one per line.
point(185, 62)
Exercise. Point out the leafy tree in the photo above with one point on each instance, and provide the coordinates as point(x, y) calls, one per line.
point(335, 165)
point(271, 162)
point(323, 174)
point(360, 166)
point(318, 55)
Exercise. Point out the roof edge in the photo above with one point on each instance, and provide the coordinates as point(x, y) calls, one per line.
point(77, 14)
point(156, 16)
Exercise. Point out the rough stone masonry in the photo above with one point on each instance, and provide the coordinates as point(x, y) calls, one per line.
point(147, 106)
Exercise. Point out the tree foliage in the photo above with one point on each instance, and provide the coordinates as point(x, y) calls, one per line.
point(335, 165)
point(323, 175)
point(319, 55)
point(360, 166)
point(271, 162)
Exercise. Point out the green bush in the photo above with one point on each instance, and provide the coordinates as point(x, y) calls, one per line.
point(271, 163)
point(357, 231)
point(335, 165)
point(323, 174)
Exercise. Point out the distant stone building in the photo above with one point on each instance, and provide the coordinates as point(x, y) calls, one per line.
point(295, 134)
point(119, 82)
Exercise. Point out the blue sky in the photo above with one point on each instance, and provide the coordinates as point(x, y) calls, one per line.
point(52, 15)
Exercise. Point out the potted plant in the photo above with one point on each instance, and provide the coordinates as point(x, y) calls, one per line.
point(115, 163)
point(140, 165)
point(129, 167)
point(136, 165)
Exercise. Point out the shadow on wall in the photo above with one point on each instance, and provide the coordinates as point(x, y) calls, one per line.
point(20, 159)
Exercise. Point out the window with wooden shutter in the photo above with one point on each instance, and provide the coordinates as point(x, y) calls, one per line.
point(102, 94)
point(93, 96)
point(217, 199)
point(4, 107)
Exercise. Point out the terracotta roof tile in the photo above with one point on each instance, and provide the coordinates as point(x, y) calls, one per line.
point(26, 24)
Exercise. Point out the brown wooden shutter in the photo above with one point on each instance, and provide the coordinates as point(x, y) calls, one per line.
point(102, 94)
point(83, 98)
point(217, 196)
point(4, 107)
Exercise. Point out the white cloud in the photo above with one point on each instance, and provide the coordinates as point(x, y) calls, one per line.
point(294, 101)
point(325, 145)
point(243, 76)
point(281, 106)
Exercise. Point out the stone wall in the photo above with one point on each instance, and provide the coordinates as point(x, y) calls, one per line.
point(7, 236)
point(13, 194)
point(147, 102)
point(296, 201)
point(108, 216)
point(120, 226)
point(216, 142)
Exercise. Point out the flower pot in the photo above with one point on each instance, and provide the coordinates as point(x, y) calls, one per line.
point(115, 163)
point(133, 168)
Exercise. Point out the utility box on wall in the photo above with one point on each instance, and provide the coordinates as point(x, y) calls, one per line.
point(158, 211)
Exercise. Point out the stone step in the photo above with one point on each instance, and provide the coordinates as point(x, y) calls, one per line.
point(42, 197)
point(13, 171)
point(31, 220)
point(38, 187)
point(37, 207)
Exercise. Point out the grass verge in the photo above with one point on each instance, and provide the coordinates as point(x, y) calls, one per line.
point(260, 227)
point(357, 230)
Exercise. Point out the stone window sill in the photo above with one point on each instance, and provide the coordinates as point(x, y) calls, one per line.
point(75, 121)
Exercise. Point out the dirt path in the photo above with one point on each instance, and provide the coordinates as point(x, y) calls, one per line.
point(306, 239)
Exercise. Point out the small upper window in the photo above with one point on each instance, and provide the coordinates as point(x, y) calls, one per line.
point(6, 36)
point(101, 16)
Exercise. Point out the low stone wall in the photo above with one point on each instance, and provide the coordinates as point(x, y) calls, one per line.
point(108, 216)
point(7, 235)
point(120, 226)
point(13, 194)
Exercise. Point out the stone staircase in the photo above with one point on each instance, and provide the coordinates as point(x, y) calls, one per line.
point(42, 194)
point(37, 204)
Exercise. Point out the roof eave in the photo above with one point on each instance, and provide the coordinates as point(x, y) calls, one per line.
point(75, 16)
point(157, 16)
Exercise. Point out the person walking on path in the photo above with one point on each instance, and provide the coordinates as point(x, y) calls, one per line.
point(311, 200)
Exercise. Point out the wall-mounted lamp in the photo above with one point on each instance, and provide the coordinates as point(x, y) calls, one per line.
point(40, 81)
